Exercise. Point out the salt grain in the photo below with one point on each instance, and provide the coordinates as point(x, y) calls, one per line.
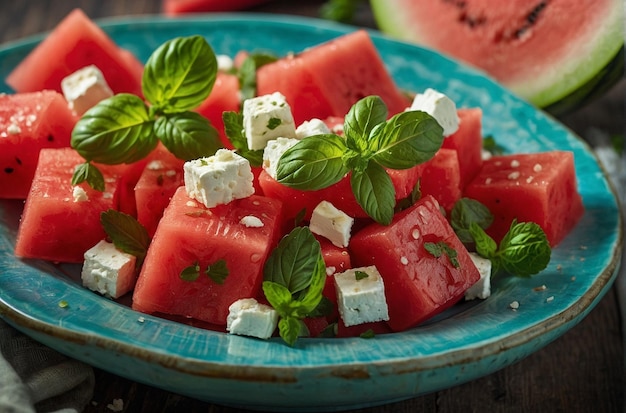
point(514, 175)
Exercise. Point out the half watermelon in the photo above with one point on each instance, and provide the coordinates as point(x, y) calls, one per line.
point(557, 54)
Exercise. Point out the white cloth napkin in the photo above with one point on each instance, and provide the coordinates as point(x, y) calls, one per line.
point(35, 378)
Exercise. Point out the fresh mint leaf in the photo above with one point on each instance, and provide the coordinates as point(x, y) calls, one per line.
point(86, 172)
point(374, 192)
point(233, 127)
point(117, 130)
point(218, 271)
point(126, 233)
point(524, 250)
point(407, 139)
point(464, 212)
point(190, 273)
point(187, 135)
point(313, 163)
point(293, 261)
point(361, 119)
point(179, 75)
point(310, 298)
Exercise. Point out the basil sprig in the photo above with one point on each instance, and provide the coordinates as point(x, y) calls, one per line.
point(177, 78)
point(371, 144)
point(294, 277)
point(523, 251)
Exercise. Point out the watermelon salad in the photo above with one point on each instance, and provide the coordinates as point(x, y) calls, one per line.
point(269, 195)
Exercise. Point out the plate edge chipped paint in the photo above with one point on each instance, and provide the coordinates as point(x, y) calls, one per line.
point(389, 368)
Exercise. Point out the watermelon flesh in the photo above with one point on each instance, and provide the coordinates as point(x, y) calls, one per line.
point(76, 42)
point(189, 233)
point(542, 50)
point(29, 122)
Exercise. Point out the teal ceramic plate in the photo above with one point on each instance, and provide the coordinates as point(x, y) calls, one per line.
point(460, 345)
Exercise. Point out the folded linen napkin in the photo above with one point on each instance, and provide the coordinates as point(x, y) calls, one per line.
point(35, 378)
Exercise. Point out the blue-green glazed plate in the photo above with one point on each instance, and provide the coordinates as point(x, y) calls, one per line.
point(471, 340)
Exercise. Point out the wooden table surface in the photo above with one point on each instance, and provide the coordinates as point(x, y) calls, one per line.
point(582, 371)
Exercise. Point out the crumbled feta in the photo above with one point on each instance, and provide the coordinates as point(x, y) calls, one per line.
point(218, 179)
point(265, 118)
point(84, 88)
point(514, 305)
point(116, 406)
point(482, 288)
point(251, 221)
point(108, 271)
point(79, 194)
point(273, 151)
point(311, 127)
point(331, 223)
point(440, 107)
point(14, 129)
point(361, 296)
point(248, 317)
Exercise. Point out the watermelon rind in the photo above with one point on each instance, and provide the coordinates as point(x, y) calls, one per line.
point(594, 65)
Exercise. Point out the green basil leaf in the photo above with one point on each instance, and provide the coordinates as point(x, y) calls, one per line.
point(466, 211)
point(126, 233)
point(313, 294)
point(218, 271)
point(233, 127)
point(375, 193)
point(117, 130)
point(86, 172)
point(407, 139)
point(361, 119)
point(485, 245)
point(278, 296)
point(180, 74)
point(247, 73)
point(293, 263)
point(313, 163)
point(289, 329)
point(188, 135)
point(524, 250)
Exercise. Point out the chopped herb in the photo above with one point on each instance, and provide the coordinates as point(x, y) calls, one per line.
point(273, 123)
point(369, 333)
point(359, 275)
point(442, 248)
point(490, 145)
point(218, 271)
point(190, 273)
point(63, 304)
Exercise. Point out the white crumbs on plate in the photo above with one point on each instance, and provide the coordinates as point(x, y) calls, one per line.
point(514, 305)
point(117, 405)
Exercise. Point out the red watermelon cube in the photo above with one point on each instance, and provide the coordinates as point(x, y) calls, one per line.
point(74, 43)
point(224, 97)
point(190, 234)
point(161, 177)
point(441, 178)
point(60, 223)
point(418, 284)
point(28, 123)
point(468, 143)
point(327, 79)
point(537, 187)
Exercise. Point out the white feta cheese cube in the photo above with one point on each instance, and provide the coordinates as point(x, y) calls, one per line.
point(311, 127)
point(248, 317)
point(361, 296)
point(482, 288)
point(224, 63)
point(273, 151)
point(331, 223)
point(265, 118)
point(84, 88)
point(218, 179)
point(108, 271)
point(440, 107)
